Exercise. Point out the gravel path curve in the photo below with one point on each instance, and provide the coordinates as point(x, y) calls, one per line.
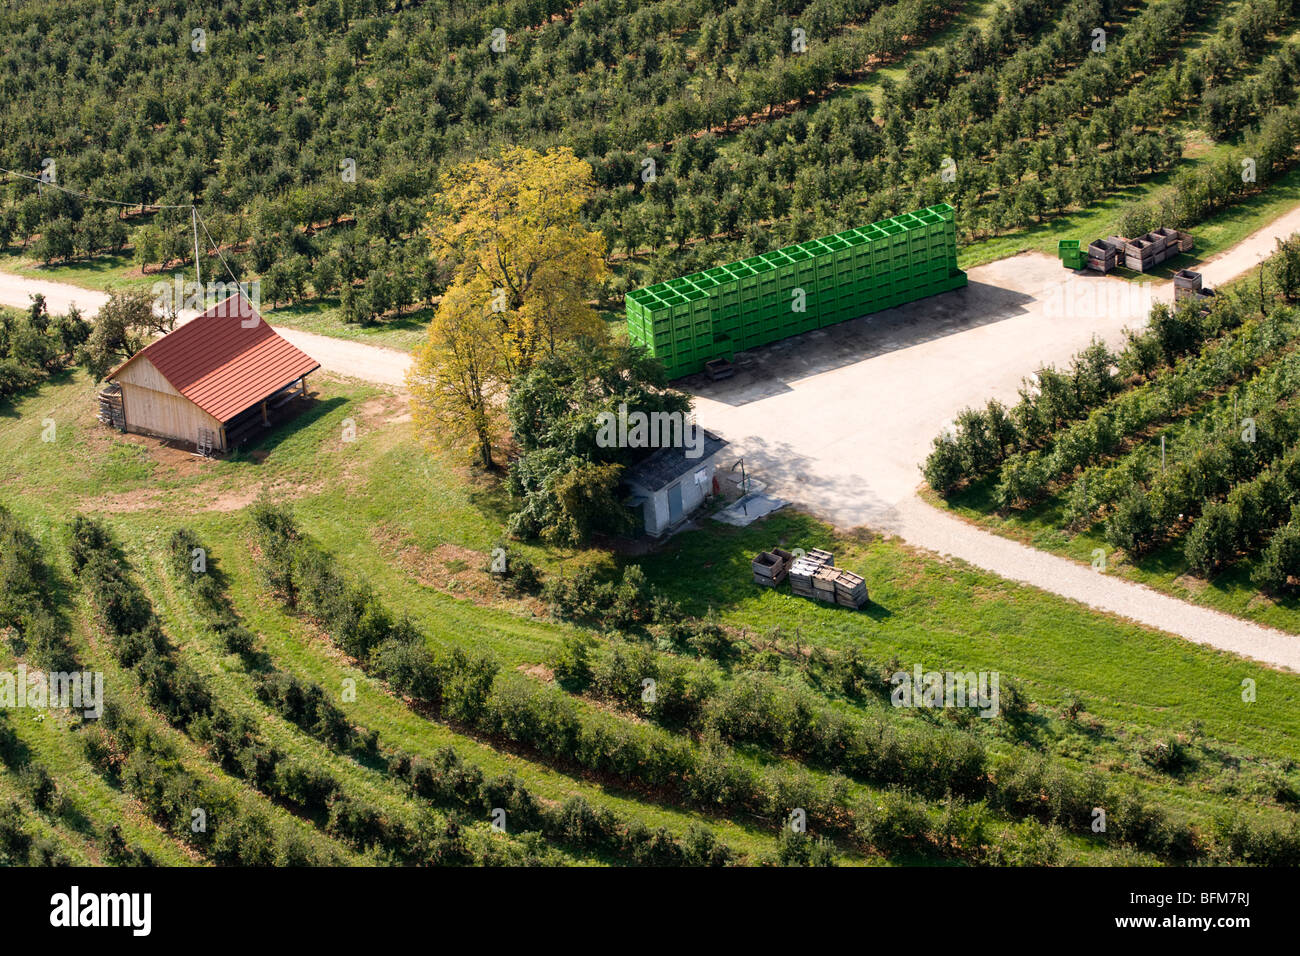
point(926, 527)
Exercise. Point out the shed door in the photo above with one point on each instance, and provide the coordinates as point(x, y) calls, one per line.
point(674, 503)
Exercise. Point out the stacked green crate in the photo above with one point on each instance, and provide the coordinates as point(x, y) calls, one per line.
point(686, 322)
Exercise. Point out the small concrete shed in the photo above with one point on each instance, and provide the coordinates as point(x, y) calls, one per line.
point(209, 382)
point(670, 484)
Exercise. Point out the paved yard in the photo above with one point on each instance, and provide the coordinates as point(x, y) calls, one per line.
point(840, 420)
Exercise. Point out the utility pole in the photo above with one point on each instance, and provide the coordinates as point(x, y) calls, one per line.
point(194, 218)
point(1263, 311)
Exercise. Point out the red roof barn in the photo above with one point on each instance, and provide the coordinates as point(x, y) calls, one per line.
point(211, 381)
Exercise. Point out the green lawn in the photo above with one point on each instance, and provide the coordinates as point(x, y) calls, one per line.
point(103, 272)
point(322, 316)
point(419, 528)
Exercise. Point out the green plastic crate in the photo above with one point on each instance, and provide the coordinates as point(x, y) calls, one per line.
point(741, 305)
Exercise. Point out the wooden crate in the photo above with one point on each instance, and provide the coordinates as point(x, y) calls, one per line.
point(824, 584)
point(801, 576)
point(822, 557)
point(850, 590)
point(769, 569)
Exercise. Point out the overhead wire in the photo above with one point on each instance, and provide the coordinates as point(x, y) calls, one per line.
point(198, 217)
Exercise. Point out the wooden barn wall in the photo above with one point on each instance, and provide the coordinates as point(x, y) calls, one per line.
point(169, 416)
point(145, 374)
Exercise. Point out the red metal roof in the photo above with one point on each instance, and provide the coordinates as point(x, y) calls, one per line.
point(226, 359)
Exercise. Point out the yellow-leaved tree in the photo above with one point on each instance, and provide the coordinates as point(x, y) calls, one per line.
point(456, 380)
point(512, 221)
point(526, 269)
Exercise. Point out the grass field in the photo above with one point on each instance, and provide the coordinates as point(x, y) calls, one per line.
point(424, 550)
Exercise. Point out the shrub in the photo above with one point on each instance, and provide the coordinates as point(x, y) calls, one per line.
point(1132, 524)
point(1167, 754)
point(1212, 539)
point(89, 538)
point(1258, 840)
point(572, 664)
point(180, 550)
point(895, 823)
point(1280, 560)
point(800, 849)
point(1026, 844)
point(520, 575)
point(943, 468)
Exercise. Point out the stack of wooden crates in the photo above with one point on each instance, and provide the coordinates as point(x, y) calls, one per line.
point(1149, 250)
point(815, 576)
point(804, 568)
point(850, 589)
point(771, 567)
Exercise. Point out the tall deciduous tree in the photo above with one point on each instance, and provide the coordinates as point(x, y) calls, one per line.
point(525, 271)
point(123, 326)
point(457, 379)
point(511, 222)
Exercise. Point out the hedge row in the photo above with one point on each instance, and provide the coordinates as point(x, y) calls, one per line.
point(181, 695)
point(466, 689)
point(446, 780)
point(1027, 477)
point(553, 726)
point(984, 438)
point(1145, 518)
point(302, 703)
point(1251, 510)
point(27, 599)
point(754, 709)
point(1101, 486)
point(18, 847)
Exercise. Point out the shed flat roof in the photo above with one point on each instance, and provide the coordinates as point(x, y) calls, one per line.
point(666, 465)
point(226, 360)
